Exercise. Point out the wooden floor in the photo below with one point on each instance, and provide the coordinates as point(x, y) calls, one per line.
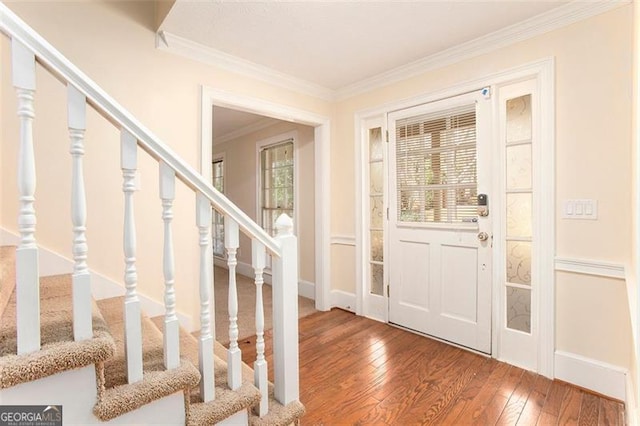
point(357, 371)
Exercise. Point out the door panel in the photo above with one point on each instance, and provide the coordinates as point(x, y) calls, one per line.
point(439, 271)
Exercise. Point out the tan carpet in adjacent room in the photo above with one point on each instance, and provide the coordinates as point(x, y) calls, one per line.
point(246, 306)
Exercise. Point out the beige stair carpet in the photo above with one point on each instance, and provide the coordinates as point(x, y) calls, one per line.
point(246, 306)
point(59, 352)
point(115, 395)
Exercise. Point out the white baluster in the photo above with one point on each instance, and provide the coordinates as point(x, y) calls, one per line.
point(132, 322)
point(171, 324)
point(27, 275)
point(234, 356)
point(285, 314)
point(82, 323)
point(205, 354)
point(260, 366)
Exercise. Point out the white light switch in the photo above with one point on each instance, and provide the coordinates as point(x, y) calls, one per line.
point(580, 209)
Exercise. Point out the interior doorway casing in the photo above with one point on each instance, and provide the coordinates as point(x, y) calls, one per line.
point(543, 72)
point(322, 127)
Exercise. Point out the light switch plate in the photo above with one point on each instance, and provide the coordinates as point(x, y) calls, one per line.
point(580, 209)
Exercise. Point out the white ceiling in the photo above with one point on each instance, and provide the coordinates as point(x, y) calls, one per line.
point(229, 124)
point(335, 44)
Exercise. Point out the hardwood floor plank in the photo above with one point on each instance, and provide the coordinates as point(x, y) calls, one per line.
point(555, 397)
point(570, 409)
point(590, 410)
point(611, 412)
point(517, 401)
point(357, 371)
point(475, 411)
point(466, 397)
point(534, 404)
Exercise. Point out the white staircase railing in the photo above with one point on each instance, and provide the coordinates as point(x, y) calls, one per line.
point(29, 49)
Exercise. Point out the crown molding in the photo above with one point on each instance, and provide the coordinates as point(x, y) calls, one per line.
point(556, 18)
point(253, 127)
point(172, 43)
point(535, 26)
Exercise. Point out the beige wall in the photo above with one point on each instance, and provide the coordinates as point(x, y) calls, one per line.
point(632, 275)
point(113, 43)
point(240, 159)
point(593, 147)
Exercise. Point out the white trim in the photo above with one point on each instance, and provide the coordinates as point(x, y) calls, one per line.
point(322, 179)
point(343, 299)
point(598, 376)
point(246, 130)
point(555, 18)
point(590, 267)
point(172, 43)
point(305, 288)
point(343, 240)
point(630, 403)
point(102, 287)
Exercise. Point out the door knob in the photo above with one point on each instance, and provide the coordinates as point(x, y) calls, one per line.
point(483, 236)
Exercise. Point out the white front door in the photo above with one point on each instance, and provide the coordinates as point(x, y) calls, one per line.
point(439, 244)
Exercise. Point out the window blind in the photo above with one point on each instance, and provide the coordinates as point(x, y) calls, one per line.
point(436, 166)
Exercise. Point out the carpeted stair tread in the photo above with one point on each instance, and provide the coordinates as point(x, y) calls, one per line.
point(278, 415)
point(227, 402)
point(58, 350)
point(7, 275)
point(122, 399)
point(119, 397)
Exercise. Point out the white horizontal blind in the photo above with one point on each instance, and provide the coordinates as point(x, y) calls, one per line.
point(436, 166)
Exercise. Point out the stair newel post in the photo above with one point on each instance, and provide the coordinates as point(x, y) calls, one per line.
point(285, 313)
point(171, 335)
point(234, 355)
point(205, 353)
point(27, 273)
point(82, 322)
point(132, 322)
point(260, 365)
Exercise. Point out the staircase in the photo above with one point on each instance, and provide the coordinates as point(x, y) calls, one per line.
point(105, 360)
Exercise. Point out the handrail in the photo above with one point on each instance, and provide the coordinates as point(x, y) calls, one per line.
point(62, 68)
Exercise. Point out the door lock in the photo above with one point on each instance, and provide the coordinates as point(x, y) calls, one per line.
point(483, 236)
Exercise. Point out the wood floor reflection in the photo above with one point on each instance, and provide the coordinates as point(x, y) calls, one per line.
point(357, 371)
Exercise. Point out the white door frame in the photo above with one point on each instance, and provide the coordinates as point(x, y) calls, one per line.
point(322, 128)
point(544, 214)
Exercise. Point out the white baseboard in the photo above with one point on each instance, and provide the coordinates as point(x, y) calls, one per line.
point(306, 289)
point(343, 299)
point(600, 377)
point(102, 287)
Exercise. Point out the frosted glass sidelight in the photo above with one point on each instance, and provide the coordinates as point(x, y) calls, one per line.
point(375, 144)
point(519, 262)
point(375, 178)
point(376, 246)
point(519, 309)
point(377, 279)
point(519, 167)
point(519, 215)
point(519, 119)
point(377, 207)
